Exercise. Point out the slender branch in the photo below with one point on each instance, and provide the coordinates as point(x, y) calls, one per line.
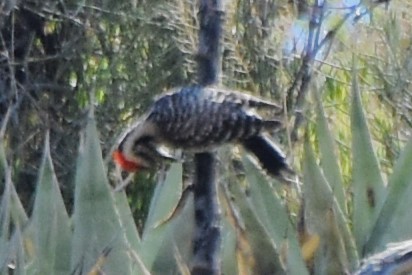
point(307, 58)
point(313, 47)
point(304, 74)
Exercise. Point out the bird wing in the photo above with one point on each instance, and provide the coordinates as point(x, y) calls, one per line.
point(244, 99)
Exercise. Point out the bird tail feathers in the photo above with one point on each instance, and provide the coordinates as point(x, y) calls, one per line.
point(269, 155)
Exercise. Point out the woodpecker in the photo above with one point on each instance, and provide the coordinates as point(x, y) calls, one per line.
point(200, 119)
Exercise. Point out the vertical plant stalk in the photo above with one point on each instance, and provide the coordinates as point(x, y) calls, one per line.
point(210, 30)
point(207, 235)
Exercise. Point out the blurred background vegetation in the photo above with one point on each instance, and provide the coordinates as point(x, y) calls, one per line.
point(55, 53)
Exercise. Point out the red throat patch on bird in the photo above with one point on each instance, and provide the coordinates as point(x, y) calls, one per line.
point(127, 165)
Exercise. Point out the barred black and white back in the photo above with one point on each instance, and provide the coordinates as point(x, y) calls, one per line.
point(199, 119)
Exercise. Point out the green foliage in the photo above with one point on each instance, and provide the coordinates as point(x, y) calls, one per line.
point(356, 183)
point(259, 231)
point(346, 237)
point(102, 234)
point(127, 52)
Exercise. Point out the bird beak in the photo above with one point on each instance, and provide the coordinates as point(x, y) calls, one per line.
point(128, 165)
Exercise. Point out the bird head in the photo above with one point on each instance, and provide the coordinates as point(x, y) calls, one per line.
point(138, 148)
point(144, 155)
point(135, 154)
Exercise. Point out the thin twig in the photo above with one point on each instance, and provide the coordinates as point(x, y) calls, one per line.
point(305, 73)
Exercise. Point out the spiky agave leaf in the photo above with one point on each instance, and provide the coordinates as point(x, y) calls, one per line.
point(394, 220)
point(255, 244)
point(161, 235)
point(337, 252)
point(271, 212)
point(328, 156)
point(96, 223)
point(367, 183)
point(50, 222)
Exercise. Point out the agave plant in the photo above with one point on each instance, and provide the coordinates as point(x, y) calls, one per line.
point(262, 231)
